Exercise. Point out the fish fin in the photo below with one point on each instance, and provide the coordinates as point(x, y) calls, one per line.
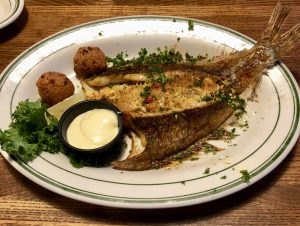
point(136, 148)
point(287, 40)
point(130, 124)
point(276, 21)
point(138, 162)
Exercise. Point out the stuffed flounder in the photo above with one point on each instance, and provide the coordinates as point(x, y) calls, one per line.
point(172, 103)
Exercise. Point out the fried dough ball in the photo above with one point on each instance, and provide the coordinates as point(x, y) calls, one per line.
point(54, 87)
point(89, 61)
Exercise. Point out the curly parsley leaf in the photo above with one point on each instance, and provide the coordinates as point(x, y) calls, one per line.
point(31, 131)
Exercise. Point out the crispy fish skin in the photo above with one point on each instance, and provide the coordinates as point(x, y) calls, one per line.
point(171, 132)
point(166, 133)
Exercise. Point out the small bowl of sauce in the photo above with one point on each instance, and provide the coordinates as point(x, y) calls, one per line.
point(91, 127)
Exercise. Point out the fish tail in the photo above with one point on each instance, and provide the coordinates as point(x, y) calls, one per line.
point(276, 21)
point(280, 43)
point(287, 41)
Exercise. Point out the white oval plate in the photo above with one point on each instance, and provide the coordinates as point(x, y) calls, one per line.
point(10, 10)
point(273, 119)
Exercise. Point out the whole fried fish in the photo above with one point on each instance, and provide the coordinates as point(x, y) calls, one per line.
point(173, 106)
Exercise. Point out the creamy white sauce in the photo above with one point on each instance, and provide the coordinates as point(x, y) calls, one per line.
point(93, 129)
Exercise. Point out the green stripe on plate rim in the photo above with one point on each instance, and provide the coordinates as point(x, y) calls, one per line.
point(227, 186)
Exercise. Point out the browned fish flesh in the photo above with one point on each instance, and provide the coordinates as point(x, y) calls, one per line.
point(179, 115)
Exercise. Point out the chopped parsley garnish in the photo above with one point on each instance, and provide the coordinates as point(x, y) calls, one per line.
point(194, 159)
point(142, 55)
point(223, 177)
point(157, 76)
point(162, 57)
point(166, 56)
point(190, 58)
point(207, 148)
point(198, 82)
point(179, 155)
point(162, 79)
point(245, 176)
point(158, 79)
point(146, 92)
point(245, 124)
point(119, 61)
point(207, 97)
point(222, 133)
point(206, 171)
point(191, 25)
point(234, 101)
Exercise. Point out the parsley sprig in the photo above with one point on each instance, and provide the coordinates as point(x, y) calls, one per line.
point(31, 131)
point(237, 103)
point(245, 176)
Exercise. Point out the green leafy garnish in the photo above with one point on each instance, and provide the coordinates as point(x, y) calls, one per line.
point(162, 57)
point(245, 176)
point(206, 171)
point(207, 97)
point(157, 76)
point(119, 61)
point(190, 58)
point(207, 148)
point(31, 131)
point(234, 101)
point(191, 25)
point(146, 92)
point(198, 82)
point(222, 133)
point(194, 159)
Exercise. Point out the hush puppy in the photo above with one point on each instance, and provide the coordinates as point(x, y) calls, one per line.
point(54, 87)
point(89, 61)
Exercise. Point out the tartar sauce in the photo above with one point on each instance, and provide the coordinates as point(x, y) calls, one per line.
point(93, 129)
